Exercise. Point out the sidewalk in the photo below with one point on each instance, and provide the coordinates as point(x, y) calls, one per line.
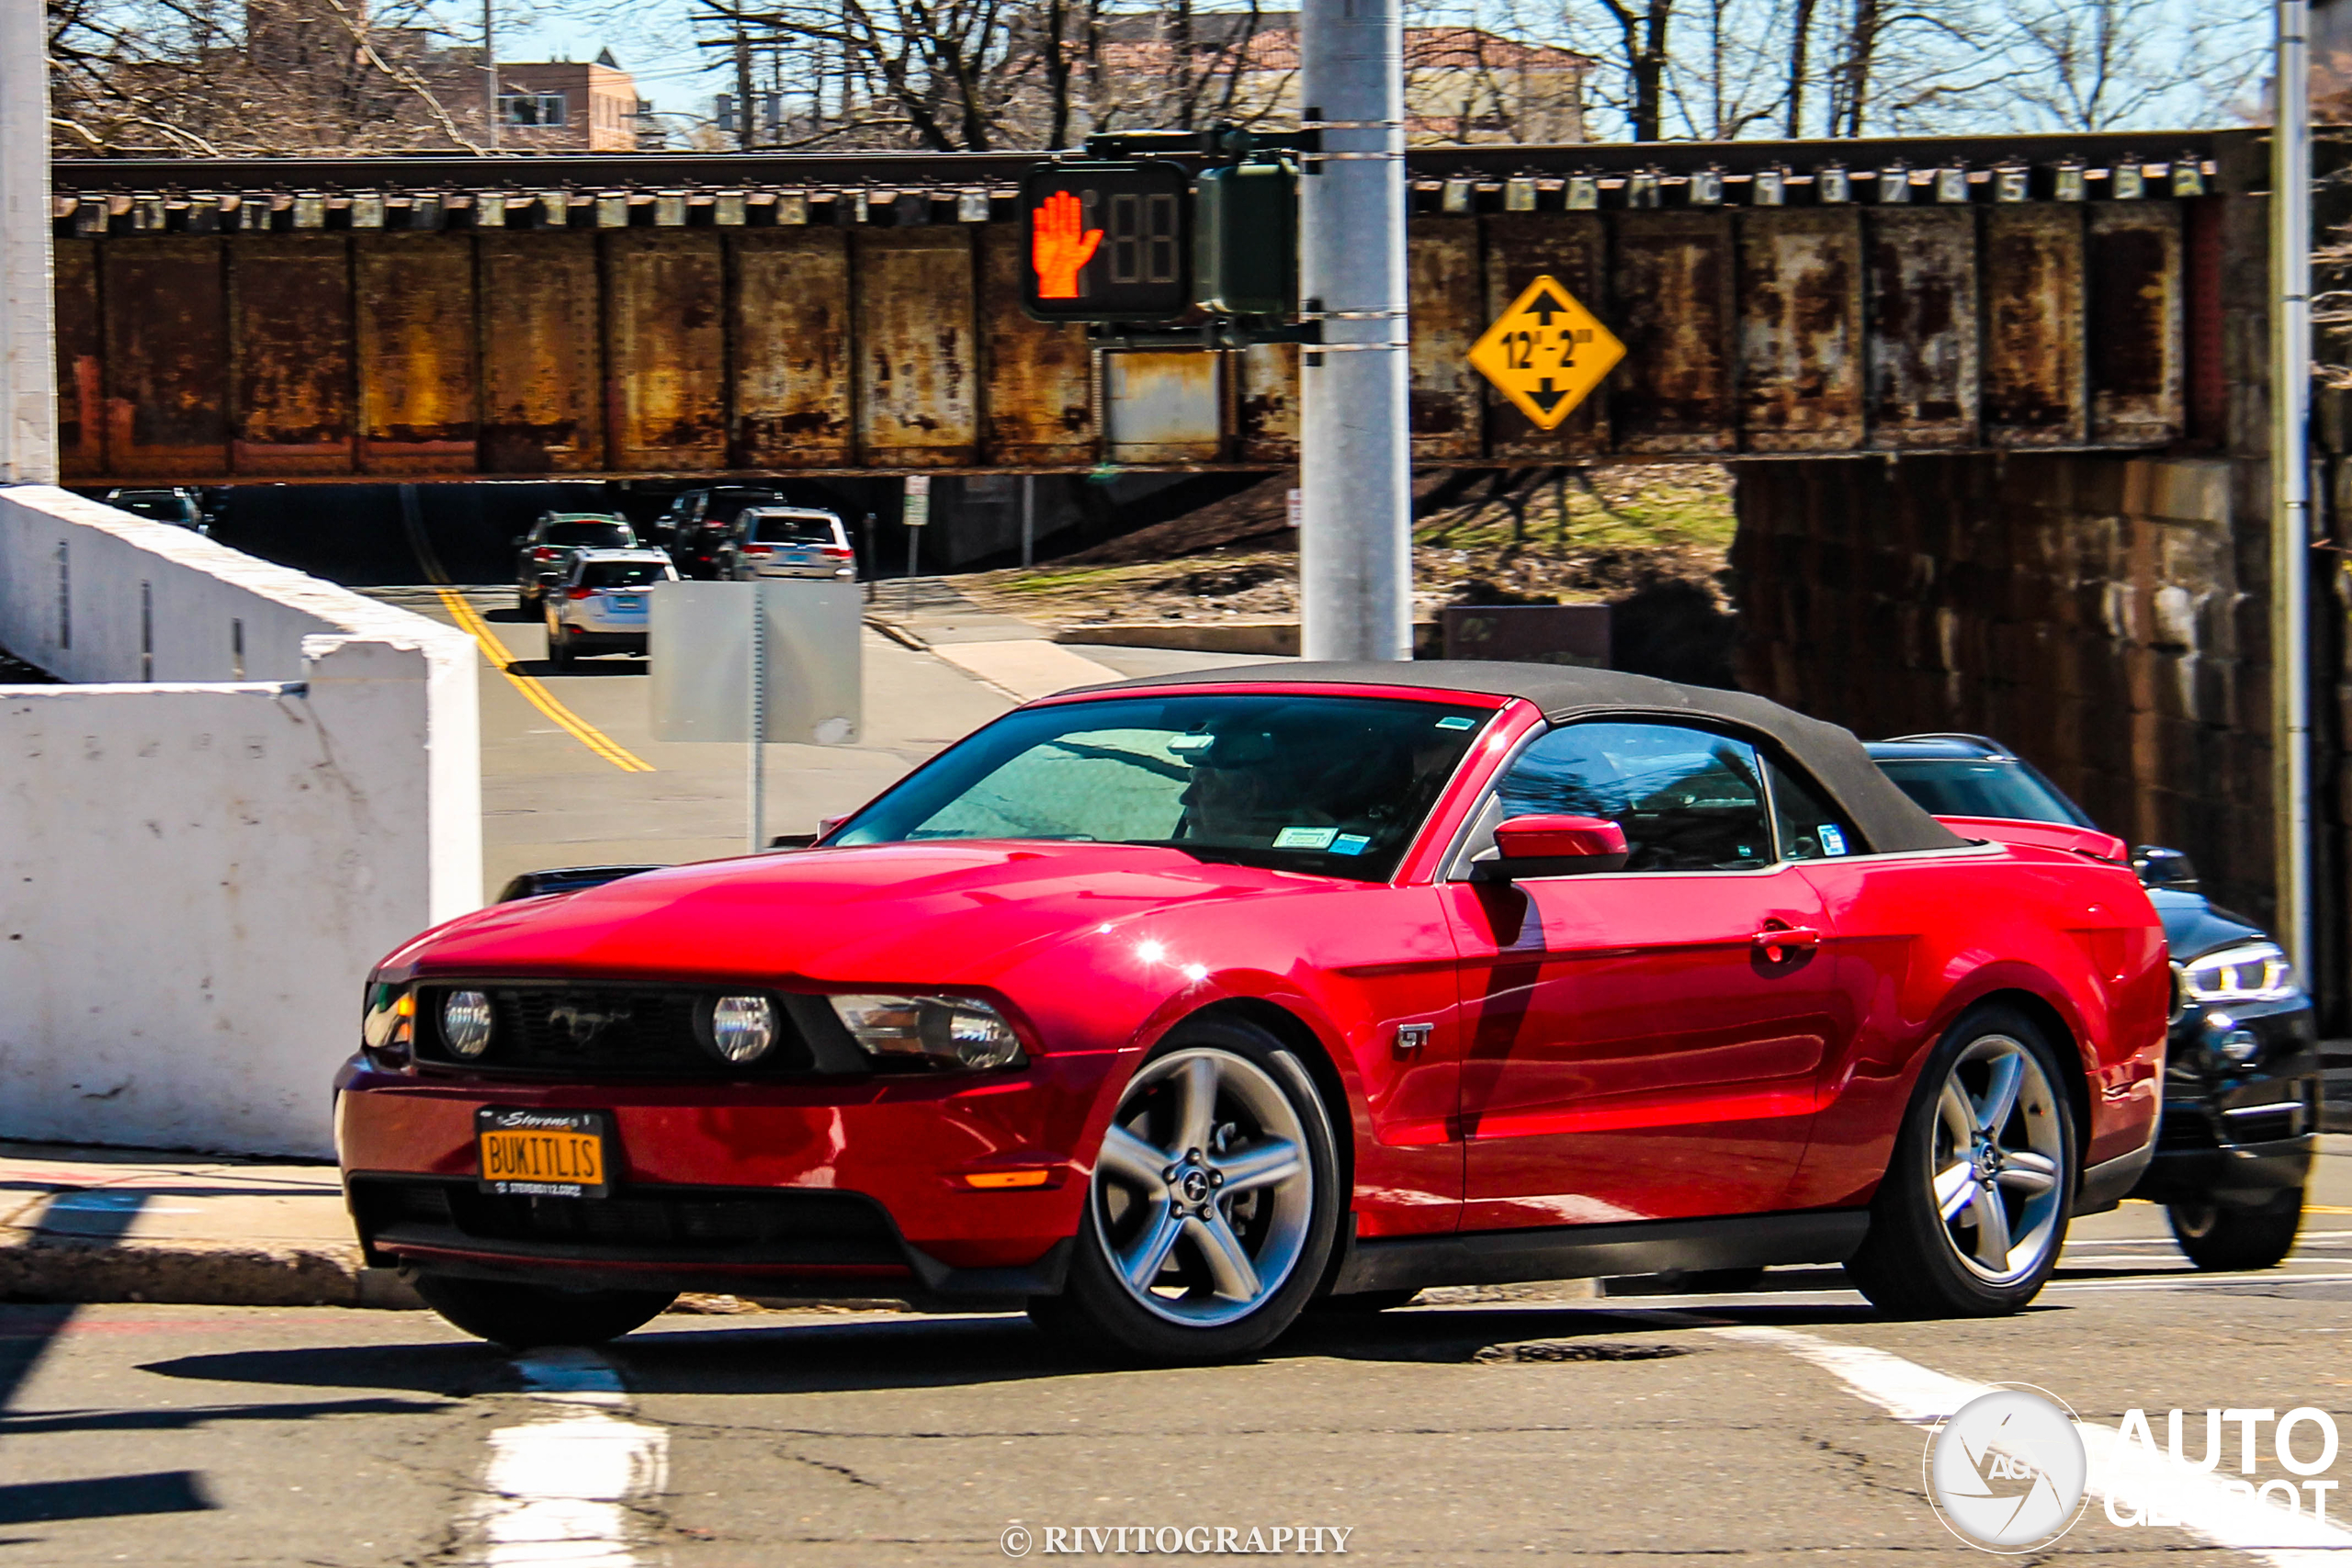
point(79, 1224)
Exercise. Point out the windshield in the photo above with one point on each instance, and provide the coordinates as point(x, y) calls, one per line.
point(622, 573)
point(1974, 787)
point(776, 528)
point(1337, 785)
point(164, 508)
point(595, 536)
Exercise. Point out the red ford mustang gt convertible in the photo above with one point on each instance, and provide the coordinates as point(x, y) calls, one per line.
point(1169, 1008)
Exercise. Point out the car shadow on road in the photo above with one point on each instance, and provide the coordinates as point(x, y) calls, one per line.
point(803, 1354)
point(592, 665)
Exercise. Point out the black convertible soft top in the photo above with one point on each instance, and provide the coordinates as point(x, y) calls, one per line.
point(1887, 817)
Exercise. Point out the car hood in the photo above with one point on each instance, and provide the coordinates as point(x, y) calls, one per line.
point(2193, 927)
point(885, 914)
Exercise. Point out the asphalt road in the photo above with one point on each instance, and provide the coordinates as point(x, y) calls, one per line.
point(549, 798)
point(1465, 1429)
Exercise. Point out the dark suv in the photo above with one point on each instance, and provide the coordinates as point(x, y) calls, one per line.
point(2242, 1070)
point(698, 522)
point(543, 555)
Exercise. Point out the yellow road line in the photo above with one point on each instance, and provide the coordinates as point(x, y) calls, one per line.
point(538, 695)
point(534, 692)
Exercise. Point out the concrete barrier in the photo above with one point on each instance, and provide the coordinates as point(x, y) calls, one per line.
point(261, 785)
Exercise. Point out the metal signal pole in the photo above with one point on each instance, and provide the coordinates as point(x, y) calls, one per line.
point(1356, 557)
point(490, 71)
point(2290, 476)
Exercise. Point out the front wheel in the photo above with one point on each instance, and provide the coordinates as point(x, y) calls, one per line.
point(521, 1316)
point(1974, 1208)
point(2237, 1236)
point(1213, 1202)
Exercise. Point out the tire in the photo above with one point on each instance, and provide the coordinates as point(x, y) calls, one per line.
point(524, 605)
point(521, 1316)
point(1927, 1253)
point(560, 643)
point(2237, 1236)
point(1224, 1269)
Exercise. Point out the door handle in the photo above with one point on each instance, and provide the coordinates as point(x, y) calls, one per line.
point(1775, 940)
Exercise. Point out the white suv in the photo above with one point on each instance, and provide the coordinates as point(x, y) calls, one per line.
point(605, 603)
point(785, 541)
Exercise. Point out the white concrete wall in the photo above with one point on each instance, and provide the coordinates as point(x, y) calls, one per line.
point(195, 874)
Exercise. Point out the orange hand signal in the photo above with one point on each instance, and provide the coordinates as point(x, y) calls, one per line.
point(1060, 246)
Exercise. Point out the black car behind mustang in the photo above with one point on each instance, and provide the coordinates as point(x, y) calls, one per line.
point(2242, 1075)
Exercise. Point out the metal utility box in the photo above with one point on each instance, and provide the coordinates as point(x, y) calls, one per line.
point(1245, 240)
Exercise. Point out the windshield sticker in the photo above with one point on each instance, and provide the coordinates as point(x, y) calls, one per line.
point(1456, 721)
point(1833, 840)
point(1305, 838)
point(1351, 845)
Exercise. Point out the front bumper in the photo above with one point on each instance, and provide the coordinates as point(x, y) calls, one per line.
point(777, 1188)
point(2237, 1133)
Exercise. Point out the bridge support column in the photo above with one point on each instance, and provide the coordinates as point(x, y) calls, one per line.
point(28, 338)
point(2105, 617)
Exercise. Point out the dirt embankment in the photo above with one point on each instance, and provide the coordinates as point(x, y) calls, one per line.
point(1525, 535)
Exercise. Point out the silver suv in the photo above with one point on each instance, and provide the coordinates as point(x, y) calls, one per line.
point(785, 541)
point(605, 603)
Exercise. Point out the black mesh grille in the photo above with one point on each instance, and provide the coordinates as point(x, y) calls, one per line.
point(602, 1029)
point(686, 1224)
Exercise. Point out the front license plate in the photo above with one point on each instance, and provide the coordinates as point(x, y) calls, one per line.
point(542, 1154)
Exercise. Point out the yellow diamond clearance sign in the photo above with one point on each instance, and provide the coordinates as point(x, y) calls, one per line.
point(1547, 352)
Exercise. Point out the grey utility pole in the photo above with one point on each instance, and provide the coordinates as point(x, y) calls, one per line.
point(1355, 555)
point(27, 337)
point(489, 72)
point(2290, 479)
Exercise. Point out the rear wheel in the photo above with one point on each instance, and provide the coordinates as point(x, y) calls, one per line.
point(520, 1316)
point(1213, 1203)
point(2238, 1236)
point(559, 647)
point(1974, 1208)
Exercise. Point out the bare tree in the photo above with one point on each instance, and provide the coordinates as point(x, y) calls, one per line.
point(179, 76)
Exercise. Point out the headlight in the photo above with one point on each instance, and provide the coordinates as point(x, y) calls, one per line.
point(465, 1023)
point(2253, 971)
point(957, 1032)
point(742, 1028)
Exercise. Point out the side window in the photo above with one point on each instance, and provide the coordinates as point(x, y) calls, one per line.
point(1810, 827)
point(1688, 800)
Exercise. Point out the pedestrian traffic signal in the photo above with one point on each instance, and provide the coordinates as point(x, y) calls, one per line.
point(1108, 241)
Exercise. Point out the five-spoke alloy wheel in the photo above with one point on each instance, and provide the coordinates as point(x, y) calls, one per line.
point(1213, 1202)
point(1974, 1208)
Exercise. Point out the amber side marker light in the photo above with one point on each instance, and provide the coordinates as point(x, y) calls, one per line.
point(1000, 1178)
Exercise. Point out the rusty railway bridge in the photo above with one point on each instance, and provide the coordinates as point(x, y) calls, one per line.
point(2056, 349)
point(420, 318)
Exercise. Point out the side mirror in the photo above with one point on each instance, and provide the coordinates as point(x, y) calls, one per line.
point(519, 540)
point(2161, 867)
point(1553, 846)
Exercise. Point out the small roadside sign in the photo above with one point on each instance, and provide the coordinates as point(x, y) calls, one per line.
point(917, 511)
point(1547, 352)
